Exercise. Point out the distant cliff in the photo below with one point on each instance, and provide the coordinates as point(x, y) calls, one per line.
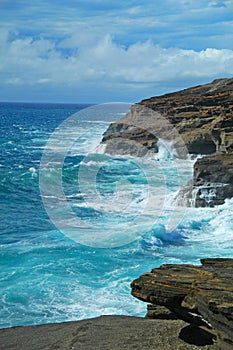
point(203, 115)
point(197, 120)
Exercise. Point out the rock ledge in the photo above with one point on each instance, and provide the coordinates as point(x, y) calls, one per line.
point(201, 295)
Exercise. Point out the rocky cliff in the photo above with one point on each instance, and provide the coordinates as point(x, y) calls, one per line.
point(201, 295)
point(203, 116)
point(198, 120)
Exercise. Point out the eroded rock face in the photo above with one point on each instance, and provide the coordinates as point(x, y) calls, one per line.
point(201, 295)
point(138, 133)
point(213, 179)
point(203, 115)
point(212, 182)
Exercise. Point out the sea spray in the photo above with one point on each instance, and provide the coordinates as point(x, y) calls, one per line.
point(166, 150)
point(46, 277)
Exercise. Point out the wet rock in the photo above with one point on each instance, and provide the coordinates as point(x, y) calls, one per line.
point(213, 180)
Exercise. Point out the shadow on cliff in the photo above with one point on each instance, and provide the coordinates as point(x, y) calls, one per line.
point(194, 335)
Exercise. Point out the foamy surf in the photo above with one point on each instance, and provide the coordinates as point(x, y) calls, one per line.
point(128, 205)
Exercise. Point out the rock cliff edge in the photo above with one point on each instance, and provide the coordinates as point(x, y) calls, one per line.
point(197, 120)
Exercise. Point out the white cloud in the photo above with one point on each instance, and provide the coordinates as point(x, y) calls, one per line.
point(134, 10)
point(217, 4)
point(127, 21)
point(44, 80)
point(14, 81)
point(103, 64)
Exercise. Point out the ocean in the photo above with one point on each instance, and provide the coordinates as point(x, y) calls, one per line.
point(77, 225)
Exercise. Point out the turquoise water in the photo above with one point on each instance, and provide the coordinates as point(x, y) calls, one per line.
point(126, 219)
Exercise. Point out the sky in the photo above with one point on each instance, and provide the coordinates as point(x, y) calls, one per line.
point(99, 51)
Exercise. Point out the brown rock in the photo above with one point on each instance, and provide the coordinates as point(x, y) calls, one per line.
point(201, 295)
point(198, 120)
point(203, 116)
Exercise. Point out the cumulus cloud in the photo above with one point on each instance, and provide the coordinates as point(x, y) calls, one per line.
point(112, 49)
point(41, 61)
point(167, 23)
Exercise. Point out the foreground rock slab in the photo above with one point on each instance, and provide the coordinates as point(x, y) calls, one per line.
point(201, 295)
point(108, 333)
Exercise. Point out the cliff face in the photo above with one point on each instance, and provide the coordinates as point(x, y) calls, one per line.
point(203, 116)
point(200, 295)
point(198, 120)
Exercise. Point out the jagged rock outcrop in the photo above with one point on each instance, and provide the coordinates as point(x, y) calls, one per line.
point(201, 295)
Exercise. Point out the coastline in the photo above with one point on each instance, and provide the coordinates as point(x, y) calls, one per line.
point(129, 332)
point(190, 308)
point(195, 121)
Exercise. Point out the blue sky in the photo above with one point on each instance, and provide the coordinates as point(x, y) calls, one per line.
point(111, 51)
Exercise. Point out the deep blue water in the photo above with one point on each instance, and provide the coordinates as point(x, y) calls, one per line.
point(79, 226)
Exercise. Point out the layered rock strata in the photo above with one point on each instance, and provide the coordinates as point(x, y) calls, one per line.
point(201, 295)
point(203, 116)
